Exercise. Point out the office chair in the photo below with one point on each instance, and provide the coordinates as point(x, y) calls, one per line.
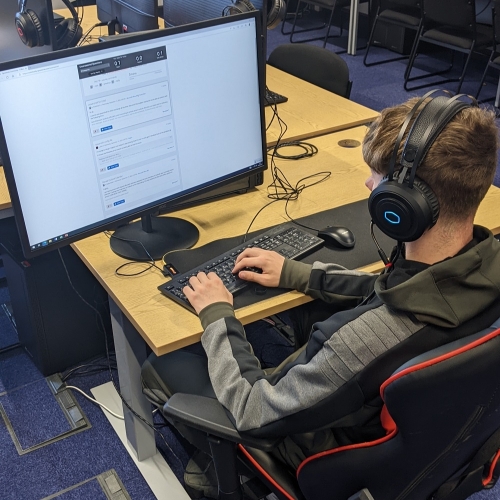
point(404, 13)
point(316, 65)
point(452, 26)
point(441, 416)
point(494, 59)
point(327, 5)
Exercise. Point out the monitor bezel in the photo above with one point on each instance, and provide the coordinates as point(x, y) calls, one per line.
point(165, 203)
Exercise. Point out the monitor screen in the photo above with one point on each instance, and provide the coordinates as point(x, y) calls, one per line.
point(114, 130)
point(128, 16)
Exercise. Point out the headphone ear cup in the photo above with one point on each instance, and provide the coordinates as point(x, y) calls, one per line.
point(275, 13)
point(29, 28)
point(401, 212)
point(68, 34)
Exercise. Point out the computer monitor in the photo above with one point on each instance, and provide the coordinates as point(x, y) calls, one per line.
point(128, 16)
point(102, 134)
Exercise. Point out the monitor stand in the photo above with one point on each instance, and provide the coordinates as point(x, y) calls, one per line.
point(153, 237)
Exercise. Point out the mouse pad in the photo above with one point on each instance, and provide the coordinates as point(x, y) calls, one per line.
point(354, 216)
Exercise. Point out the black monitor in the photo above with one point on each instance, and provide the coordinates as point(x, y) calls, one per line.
point(112, 131)
point(128, 16)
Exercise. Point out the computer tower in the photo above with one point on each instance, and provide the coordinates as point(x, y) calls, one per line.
point(395, 38)
point(55, 322)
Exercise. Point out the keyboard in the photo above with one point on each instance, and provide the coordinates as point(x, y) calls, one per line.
point(273, 98)
point(287, 239)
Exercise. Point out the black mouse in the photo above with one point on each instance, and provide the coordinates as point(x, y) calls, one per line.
point(337, 236)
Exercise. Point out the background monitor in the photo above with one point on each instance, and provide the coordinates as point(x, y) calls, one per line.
point(127, 126)
point(11, 46)
point(128, 16)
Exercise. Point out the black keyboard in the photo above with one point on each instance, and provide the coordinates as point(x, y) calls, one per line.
point(272, 98)
point(287, 239)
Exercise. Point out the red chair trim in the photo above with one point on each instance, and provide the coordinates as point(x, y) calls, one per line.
point(263, 472)
point(487, 479)
point(438, 359)
point(387, 421)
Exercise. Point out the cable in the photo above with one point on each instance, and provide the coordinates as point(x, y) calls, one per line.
point(103, 329)
point(280, 188)
point(121, 417)
point(87, 33)
point(151, 263)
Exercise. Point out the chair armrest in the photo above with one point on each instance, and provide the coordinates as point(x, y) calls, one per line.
point(208, 415)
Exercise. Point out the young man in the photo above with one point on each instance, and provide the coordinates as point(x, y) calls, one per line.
point(444, 286)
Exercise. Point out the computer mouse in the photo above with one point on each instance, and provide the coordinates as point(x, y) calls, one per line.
point(337, 236)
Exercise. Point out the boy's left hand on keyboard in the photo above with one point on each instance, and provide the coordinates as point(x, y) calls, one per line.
point(206, 289)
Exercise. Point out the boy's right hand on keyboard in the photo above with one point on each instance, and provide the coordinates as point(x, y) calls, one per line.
point(271, 264)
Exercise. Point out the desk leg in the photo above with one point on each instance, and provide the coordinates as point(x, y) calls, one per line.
point(352, 38)
point(130, 354)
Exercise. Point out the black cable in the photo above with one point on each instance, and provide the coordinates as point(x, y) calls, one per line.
point(151, 264)
point(87, 33)
point(280, 188)
point(103, 329)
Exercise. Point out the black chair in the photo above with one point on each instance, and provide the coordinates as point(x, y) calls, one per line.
point(407, 14)
point(494, 60)
point(316, 65)
point(451, 25)
point(441, 415)
point(327, 5)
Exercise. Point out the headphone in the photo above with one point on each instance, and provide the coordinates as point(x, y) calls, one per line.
point(403, 206)
point(275, 10)
point(30, 29)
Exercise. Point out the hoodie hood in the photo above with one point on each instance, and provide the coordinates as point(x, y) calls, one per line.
point(450, 292)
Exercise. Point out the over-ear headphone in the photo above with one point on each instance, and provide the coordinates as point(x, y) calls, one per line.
point(275, 10)
point(402, 205)
point(31, 32)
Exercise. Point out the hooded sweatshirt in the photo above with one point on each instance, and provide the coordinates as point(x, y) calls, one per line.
point(333, 381)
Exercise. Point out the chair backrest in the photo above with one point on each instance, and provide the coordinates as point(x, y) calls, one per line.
point(314, 64)
point(401, 5)
point(461, 14)
point(439, 410)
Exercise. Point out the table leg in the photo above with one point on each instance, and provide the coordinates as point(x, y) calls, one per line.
point(130, 354)
point(353, 28)
point(497, 98)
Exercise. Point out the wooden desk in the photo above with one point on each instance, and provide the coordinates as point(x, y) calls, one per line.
point(310, 111)
point(5, 203)
point(167, 326)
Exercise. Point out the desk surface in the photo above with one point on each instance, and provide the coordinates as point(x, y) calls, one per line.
point(4, 192)
point(167, 326)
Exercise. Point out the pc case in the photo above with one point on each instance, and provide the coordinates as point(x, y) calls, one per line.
point(54, 325)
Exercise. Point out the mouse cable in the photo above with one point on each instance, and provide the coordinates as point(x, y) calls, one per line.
point(108, 357)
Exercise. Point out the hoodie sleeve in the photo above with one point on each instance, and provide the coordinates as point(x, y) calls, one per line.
point(329, 282)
